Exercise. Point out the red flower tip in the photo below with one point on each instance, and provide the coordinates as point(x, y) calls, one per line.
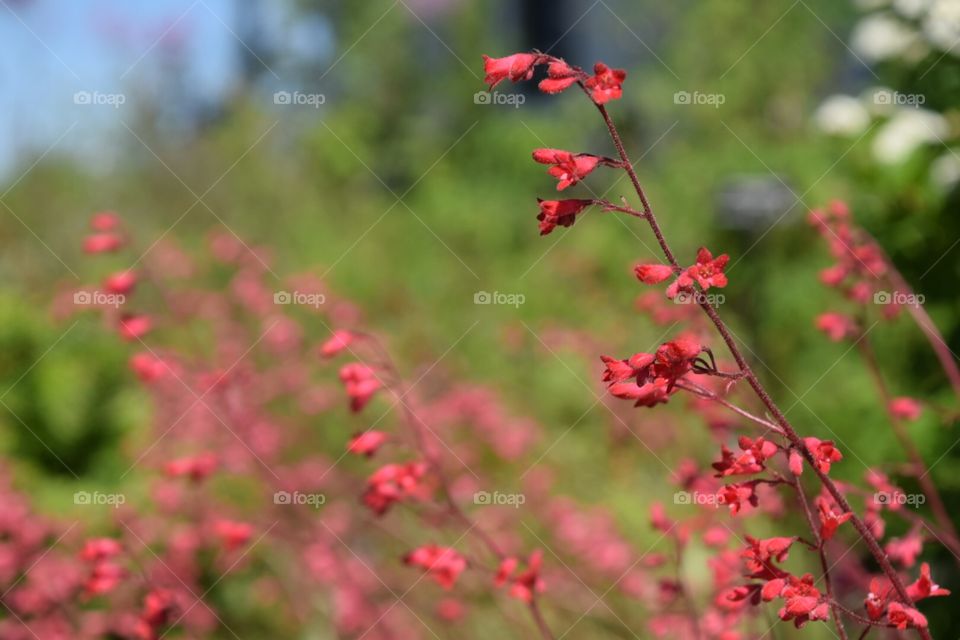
point(905, 408)
point(104, 221)
point(361, 382)
point(134, 326)
point(147, 366)
point(652, 273)
point(97, 549)
point(121, 282)
point(197, 468)
point(102, 243)
point(516, 67)
point(606, 83)
point(836, 325)
point(568, 168)
point(560, 76)
point(366, 443)
point(392, 483)
point(338, 342)
point(443, 563)
point(233, 534)
point(559, 213)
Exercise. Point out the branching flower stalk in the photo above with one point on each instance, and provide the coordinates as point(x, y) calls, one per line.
point(649, 379)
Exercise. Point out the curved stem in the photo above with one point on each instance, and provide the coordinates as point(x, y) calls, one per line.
point(879, 555)
point(922, 473)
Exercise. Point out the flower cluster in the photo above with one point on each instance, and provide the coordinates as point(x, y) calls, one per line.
point(765, 466)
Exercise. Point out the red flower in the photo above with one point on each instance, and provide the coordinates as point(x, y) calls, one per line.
point(104, 221)
point(606, 83)
point(104, 577)
point(517, 67)
point(652, 273)
point(134, 326)
point(97, 549)
point(795, 462)
point(366, 443)
point(803, 601)
point(158, 608)
point(121, 282)
point(836, 325)
point(760, 553)
point(905, 408)
point(655, 374)
point(734, 495)
point(443, 563)
point(197, 468)
point(147, 366)
point(824, 453)
point(906, 549)
point(361, 382)
point(755, 452)
point(829, 521)
point(504, 571)
point(233, 534)
point(525, 585)
point(568, 168)
point(559, 213)
point(648, 394)
point(560, 75)
point(707, 272)
point(924, 586)
point(902, 616)
point(339, 341)
point(392, 483)
point(102, 243)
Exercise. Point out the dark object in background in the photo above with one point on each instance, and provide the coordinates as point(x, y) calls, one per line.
point(753, 202)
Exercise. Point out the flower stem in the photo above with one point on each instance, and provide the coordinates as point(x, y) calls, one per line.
point(879, 555)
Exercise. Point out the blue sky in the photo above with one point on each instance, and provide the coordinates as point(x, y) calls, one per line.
point(55, 48)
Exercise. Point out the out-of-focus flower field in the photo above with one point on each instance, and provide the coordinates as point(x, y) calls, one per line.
point(285, 351)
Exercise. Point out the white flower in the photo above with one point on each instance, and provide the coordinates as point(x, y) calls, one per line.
point(942, 25)
point(880, 36)
point(912, 9)
point(905, 132)
point(842, 115)
point(945, 170)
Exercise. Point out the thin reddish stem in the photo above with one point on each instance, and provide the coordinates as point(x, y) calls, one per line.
point(879, 555)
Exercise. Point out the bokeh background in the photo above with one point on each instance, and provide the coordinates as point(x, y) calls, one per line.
point(389, 176)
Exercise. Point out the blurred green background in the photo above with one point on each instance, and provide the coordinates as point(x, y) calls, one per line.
point(409, 196)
